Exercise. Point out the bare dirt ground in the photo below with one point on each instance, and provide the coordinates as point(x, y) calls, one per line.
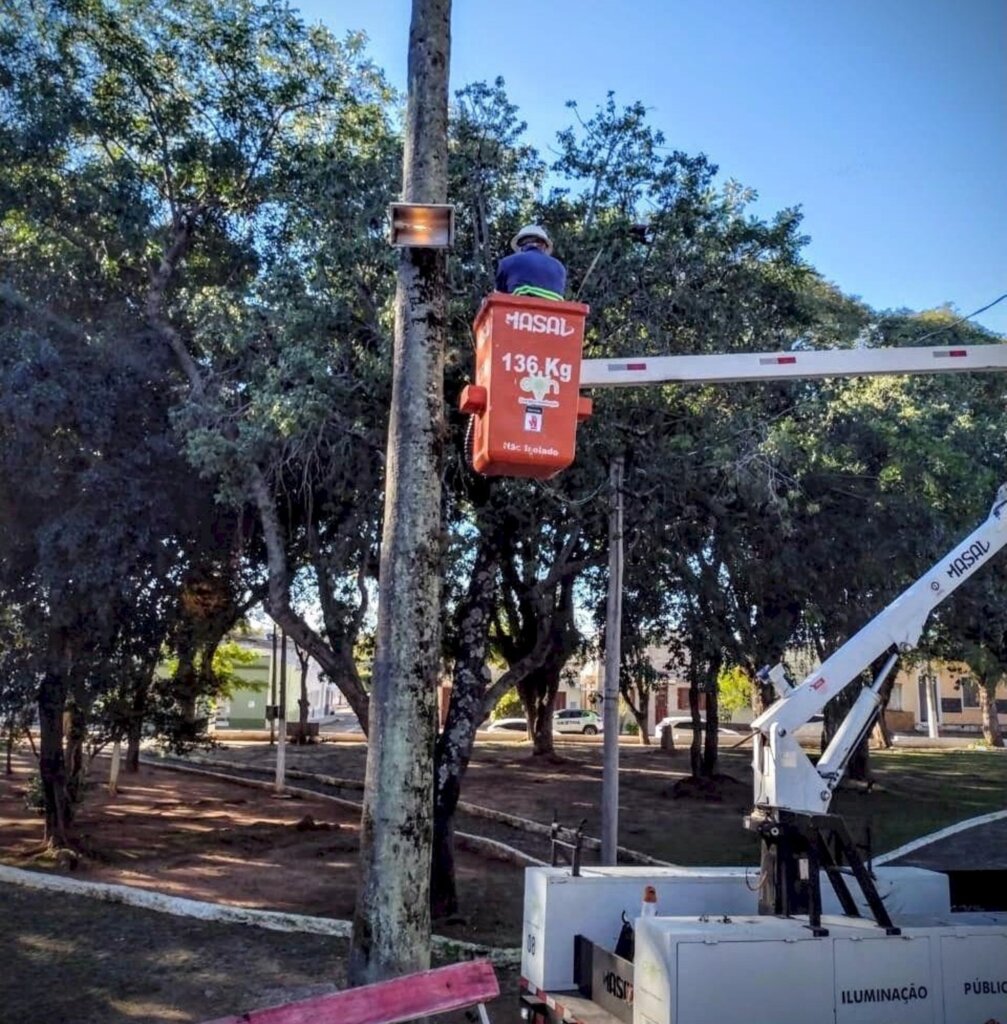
point(208, 839)
point(214, 840)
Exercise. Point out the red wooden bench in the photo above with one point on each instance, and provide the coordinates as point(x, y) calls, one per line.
point(387, 1002)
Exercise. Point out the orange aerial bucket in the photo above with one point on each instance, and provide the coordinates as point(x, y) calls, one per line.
point(526, 398)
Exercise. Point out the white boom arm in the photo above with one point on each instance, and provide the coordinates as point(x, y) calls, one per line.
point(785, 778)
point(849, 362)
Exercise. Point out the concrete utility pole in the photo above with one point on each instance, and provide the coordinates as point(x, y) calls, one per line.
point(281, 718)
point(272, 691)
point(391, 925)
point(613, 656)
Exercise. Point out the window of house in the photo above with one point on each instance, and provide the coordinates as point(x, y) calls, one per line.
point(895, 698)
point(683, 699)
point(970, 691)
point(951, 705)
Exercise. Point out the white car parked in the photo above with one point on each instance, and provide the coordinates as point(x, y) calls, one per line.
point(809, 734)
point(681, 729)
point(579, 720)
point(508, 725)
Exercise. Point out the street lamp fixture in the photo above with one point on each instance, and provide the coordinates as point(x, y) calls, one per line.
point(422, 225)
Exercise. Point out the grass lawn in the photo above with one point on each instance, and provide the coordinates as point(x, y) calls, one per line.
point(919, 791)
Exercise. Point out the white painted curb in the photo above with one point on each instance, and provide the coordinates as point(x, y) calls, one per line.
point(944, 833)
point(208, 766)
point(480, 844)
point(270, 919)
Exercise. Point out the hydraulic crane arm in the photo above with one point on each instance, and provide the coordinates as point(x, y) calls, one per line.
point(799, 364)
point(784, 775)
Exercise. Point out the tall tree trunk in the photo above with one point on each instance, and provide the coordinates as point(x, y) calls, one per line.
point(391, 924)
point(52, 767)
point(31, 741)
point(695, 750)
point(134, 725)
point(465, 712)
point(134, 732)
point(113, 768)
point(303, 704)
point(76, 756)
point(539, 686)
point(712, 737)
point(992, 731)
point(538, 695)
point(640, 715)
point(636, 694)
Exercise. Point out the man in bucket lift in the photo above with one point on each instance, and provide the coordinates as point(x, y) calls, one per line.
point(532, 270)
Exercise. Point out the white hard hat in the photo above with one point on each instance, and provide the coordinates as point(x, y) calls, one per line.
point(531, 231)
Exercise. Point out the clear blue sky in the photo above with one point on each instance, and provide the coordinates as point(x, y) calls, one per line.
point(885, 120)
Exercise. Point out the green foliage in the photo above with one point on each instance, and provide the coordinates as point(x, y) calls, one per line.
point(207, 182)
point(734, 689)
point(508, 706)
point(227, 658)
point(34, 795)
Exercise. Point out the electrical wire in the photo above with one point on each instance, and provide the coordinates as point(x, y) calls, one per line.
point(961, 319)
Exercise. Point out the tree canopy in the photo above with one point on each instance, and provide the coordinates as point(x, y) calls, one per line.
point(197, 308)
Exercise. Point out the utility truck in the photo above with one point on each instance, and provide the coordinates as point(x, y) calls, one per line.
point(767, 945)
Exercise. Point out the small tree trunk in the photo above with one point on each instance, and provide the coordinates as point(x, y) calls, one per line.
point(465, 712)
point(113, 771)
point(712, 737)
point(542, 739)
point(11, 730)
point(76, 756)
point(31, 741)
point(667, 740)
point(443, 880)
point(992, 732)
point(640, 713)
point(641, 724)
point(695, 755)
point(538, 695)
point(134, 732)
point(881, 737)
point(303, 704)
point(52, 767)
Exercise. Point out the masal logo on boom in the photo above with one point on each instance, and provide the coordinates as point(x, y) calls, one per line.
point(539, 323)
point(972, 554)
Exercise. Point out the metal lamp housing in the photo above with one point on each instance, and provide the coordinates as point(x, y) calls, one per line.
point(422, 225)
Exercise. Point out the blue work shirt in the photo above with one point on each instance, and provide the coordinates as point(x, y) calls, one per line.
point(532, 272)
